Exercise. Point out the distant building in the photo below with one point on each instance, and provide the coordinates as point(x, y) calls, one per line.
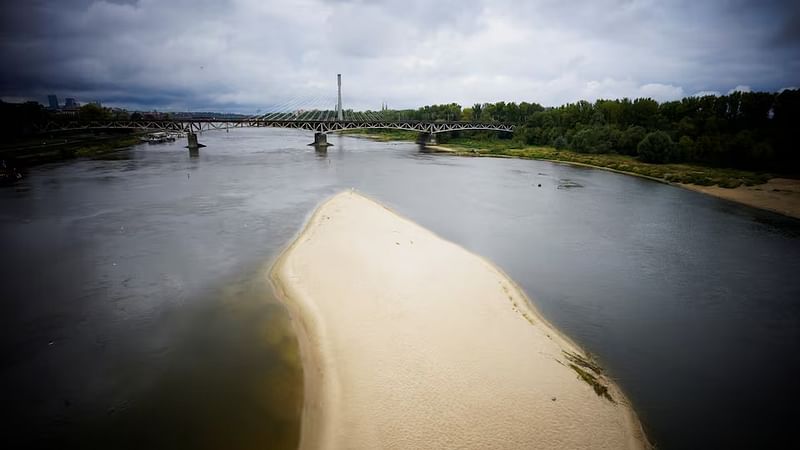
point(70, 102)
point(53, 100)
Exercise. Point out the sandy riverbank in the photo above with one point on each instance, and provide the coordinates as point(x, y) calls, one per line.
point(781, 195)
point(409, 341)
point(439, 149)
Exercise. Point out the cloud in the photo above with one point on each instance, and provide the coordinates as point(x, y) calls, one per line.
point(741, 88)
point(243, 55)
point(706, 94)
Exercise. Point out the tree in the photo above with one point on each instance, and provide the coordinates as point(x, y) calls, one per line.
point(630, 139)
point(560, 143)
point(92, 113)
point(477, 108)
point(685, 149)
point(644, 111)
point(656, 147)
point(593, 140)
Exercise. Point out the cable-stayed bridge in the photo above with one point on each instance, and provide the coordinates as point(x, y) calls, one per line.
point(296, 113)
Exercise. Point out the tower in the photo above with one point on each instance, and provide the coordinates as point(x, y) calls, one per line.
point(339, 114)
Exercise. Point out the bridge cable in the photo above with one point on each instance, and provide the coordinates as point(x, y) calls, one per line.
point(285, 109)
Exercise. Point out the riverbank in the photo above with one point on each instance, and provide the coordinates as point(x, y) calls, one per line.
point(381, 135)
point(411, 341)
point(48, 148)
point(756, 189)
point(780, 195)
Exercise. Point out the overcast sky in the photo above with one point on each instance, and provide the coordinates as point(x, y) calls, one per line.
point(249, 55)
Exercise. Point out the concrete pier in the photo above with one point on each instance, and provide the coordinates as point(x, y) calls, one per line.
point(321, 141)
point(193, 144)
point(427, 139)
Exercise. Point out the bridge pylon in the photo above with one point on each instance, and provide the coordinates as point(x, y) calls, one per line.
point(339, 112)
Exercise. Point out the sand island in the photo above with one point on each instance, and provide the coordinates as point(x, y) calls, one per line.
point(410, 341)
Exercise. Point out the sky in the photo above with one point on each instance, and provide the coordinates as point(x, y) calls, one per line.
point(252, 56)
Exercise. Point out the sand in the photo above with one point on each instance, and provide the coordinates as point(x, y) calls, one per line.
point(410, 341)
point(780, 195)
point(439, 149)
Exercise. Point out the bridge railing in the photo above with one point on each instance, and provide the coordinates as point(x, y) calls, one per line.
point(324, 126)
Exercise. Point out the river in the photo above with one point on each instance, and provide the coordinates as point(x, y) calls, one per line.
point(137, 313)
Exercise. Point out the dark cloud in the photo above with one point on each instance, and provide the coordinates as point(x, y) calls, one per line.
point(249, 54)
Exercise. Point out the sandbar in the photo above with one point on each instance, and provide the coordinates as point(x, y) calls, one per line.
point(780, 195)
point(411, 341)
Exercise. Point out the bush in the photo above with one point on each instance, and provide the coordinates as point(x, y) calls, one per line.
point(656, 147)
point(630, 140)
point(560, 143)
point(592, 140)
point(685, 150)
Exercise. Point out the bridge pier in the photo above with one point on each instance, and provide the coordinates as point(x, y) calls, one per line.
point(193, 144)
point(321, 141)
point(425, 138)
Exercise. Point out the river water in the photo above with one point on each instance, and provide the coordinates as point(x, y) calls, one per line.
point(137, 313)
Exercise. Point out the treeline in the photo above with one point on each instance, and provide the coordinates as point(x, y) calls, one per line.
point(22, 119)
point(750, 130)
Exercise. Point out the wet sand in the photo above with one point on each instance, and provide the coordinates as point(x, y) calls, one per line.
point(410, 341)
point(780, 195)
point(439, 149)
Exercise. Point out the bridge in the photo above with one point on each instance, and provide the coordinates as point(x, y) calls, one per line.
point(320, 122)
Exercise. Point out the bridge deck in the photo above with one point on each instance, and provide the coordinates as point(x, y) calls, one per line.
point(319, 126)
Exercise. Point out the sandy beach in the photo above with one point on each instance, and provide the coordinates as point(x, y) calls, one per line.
point(410, 341)
point(780, 195)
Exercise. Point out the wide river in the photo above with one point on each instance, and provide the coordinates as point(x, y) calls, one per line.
point(136, 312)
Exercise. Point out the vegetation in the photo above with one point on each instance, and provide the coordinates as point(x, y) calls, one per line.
point(727, 140)
point(743, 137)
point(384, 135)
point(23, 145)
point(599, 388)
point(674, 172)
point(584, 368)
point(100, 148)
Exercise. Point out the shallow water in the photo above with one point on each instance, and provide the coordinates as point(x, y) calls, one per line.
point(137, 311)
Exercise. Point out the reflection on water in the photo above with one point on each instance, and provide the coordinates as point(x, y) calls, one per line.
point(229, 377)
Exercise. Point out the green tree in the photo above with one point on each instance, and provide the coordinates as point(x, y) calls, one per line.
point(656, 147)
point(593, 140)
point(629, 140)
point(477, 108)
point(560, 143)
point(685, 150)
point(92, 113)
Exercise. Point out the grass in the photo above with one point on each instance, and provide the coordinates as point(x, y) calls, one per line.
point(384, 135)
point(586, 363)
point(584, 367)
point(95, 149)
point(599, 388)
point(671, 173)
point(49, 148)
point(668, 173)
